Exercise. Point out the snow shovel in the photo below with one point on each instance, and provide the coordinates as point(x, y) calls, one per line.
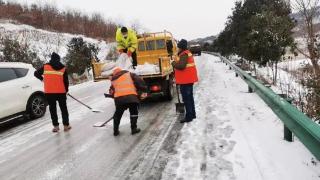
point(93, 110)
point(179, 105)
point(101, 124)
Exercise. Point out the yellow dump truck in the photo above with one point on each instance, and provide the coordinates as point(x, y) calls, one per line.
point(155, 49)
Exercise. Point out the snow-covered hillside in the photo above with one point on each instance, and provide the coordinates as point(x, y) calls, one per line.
point(44, 42)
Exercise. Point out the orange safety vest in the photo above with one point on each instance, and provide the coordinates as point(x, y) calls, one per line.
point(124, 86)
point(53, 80)
point(189, 75)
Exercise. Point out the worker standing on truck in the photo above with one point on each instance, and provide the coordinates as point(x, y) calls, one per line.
point(56, 84)
point(125, 88)
point(186, 75)
point(127, 42)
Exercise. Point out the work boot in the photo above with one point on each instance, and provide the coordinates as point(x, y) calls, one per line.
point(67, 128)
point(116, 133)
point(55, 129)
point(135, 131)
point(185, 120)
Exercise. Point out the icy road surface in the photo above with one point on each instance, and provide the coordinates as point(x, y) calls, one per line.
point(236, 136)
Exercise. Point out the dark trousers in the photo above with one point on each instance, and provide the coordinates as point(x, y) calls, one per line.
point(62, 100)
point(134, 57)
point(133, 109)
point(187, 97)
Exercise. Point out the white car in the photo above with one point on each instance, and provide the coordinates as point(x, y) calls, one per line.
point(20, 92)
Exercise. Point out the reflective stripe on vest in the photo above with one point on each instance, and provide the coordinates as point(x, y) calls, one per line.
point(54, 72)
point(189, 75)
point(53, 80)
point(124, 86)
point(191, 65)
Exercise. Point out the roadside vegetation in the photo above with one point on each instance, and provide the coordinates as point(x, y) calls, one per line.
point(263, 33)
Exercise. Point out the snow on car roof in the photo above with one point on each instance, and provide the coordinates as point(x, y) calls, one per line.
point(14, 65)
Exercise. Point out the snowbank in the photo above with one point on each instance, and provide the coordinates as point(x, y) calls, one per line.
point(44, 42)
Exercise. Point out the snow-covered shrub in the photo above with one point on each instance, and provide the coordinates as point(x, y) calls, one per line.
point(14, 51)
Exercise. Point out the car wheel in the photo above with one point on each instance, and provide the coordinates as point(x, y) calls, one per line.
point(37, 106)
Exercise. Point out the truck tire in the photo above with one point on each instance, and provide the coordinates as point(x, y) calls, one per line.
point(169, 89)
point(36, 106)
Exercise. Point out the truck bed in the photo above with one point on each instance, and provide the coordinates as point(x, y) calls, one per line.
point(163, 63)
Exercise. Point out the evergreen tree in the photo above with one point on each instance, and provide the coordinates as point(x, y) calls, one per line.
point(79, 55)
point(258, 30)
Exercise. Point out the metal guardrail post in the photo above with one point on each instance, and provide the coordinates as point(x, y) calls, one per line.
point(306, 130)
point(250, 90)
point(287, 134)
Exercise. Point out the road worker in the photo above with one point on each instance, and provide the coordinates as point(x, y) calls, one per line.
point(125, 89)
point(56, 84)
point(127, 42)
point(186, 75)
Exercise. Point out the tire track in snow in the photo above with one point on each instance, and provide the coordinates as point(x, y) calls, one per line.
point(204, 142)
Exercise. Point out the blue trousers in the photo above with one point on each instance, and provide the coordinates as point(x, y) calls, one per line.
point(187, 97)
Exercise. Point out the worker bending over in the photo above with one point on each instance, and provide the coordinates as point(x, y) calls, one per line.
point(125, 88)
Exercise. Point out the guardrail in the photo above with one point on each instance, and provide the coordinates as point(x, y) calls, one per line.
point(296, 122)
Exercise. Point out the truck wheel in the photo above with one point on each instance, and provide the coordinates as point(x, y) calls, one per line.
point(36, 107)
point(169, 90)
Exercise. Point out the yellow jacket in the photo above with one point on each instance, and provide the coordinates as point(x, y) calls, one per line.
point(131, 42)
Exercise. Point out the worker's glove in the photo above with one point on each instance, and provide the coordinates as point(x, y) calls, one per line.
point(108, 95)
point(173, 62)
point(111, 92)
point(129, 53)
point(143, 96)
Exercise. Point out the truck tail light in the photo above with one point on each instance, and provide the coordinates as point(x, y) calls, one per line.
point(155, 88)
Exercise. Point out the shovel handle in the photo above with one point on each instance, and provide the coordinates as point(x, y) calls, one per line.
point(79, 101)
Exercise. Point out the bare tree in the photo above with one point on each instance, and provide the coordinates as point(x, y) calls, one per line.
point(136, 26)
point(309, 11)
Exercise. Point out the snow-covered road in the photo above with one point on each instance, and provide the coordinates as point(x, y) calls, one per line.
point(236, 136)
point(31, 151)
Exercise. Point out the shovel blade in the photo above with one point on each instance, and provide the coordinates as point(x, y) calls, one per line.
point(99, 124)
point(102, 124)
point(96, 111)
point(180, 108)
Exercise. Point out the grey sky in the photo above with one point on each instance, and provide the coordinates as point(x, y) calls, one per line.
point(188, 19)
